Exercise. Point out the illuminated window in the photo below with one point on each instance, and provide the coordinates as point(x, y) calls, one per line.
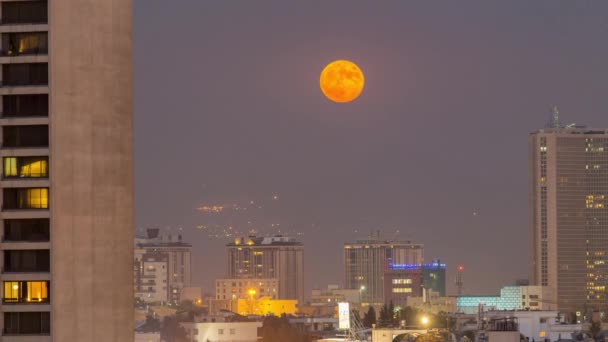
point(402, 281)
point(26, 291)
point(26, 198)
point(402, 290)
point(37, 198)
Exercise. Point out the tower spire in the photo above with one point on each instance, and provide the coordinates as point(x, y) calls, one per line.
point(555, 116)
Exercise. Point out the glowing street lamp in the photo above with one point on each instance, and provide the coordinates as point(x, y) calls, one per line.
point(361, 289)
point(424, 320)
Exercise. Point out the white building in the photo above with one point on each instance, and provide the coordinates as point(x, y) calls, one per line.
point(539, 325)
point(222, 331)
point(147, 337)
point(151, 277)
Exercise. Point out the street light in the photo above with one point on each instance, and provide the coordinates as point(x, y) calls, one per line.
point(361, 289)
point(424, 320)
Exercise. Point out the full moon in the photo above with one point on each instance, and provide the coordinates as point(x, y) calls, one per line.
point(341, 81)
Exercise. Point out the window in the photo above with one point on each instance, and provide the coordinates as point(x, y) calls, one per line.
point(24, 12)
point(25, 74)
point(24, 43)
point(402, 290)
point(26, 198)
point(402, 281)
point(27, 323)
point(25, 167)
point(220, 331)
point(26, 291)
point(232, 331)
point(25, 136)
point(194, 331)
point(29, 260)
point(25, 105)
point(26, 230)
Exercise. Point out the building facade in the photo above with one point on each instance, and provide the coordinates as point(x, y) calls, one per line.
point(510, 298)
point(222, 331)
point(412, 280)
point(365, 262)
point(277, 257)
point(67, 192)
point(179, 259)
point(151, 278)
point(569, 215)
point(239, 288)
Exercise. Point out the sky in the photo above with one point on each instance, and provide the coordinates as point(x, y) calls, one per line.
point(228, 112)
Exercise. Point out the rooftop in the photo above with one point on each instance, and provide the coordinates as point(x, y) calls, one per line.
point(276, 240)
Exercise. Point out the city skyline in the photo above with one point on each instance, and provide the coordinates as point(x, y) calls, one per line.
point(435, 147)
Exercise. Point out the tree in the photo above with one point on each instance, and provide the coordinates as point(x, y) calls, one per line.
point(275, 329)
point(370, 317)
point(393, 319)
point(152, 324)
point(385, 317)
point(172, 331)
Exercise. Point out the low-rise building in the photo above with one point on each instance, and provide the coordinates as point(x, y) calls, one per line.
point(432, 302)
point(510, 298)
point(539, 325)
point(222, 331)
point(411, 280)
point(334, 294)
point(147, 337)
point(150, 273)
point(235, 288)
point(265, 306)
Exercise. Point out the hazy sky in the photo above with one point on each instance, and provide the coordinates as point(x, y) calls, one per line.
point(228, 110)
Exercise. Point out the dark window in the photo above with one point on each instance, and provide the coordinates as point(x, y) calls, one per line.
point(26, 230)
point(25, 43)
point(24, 12)
point(27, 323)
point(25, 105)
point(25, 136)
point(28, 260)
point(24, 74)
point(25, 198)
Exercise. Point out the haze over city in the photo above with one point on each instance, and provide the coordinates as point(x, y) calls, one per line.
point(228, 111)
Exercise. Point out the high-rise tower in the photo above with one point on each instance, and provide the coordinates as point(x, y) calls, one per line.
point(366, 260)
point(67, 187)
point(277, 257)
point(569, 215)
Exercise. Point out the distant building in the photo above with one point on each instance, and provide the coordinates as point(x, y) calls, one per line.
point(569, 224)
point(276, 257)
point(432, 302)
point(179, 273)
point(222, 331)
point(262, 306)
point(147, 337)
point(150, 273)
point(243, 288)
point(365, 262)
point(333, 294)
point(412, 280)
point(539, 325)
point(510, 298)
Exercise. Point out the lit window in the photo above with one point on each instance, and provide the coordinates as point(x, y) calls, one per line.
point(27, 167)
point(26, 291)
point(402, 281)
point(37, 198)
point(402, 290)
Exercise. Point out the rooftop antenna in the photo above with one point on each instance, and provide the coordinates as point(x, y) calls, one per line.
point(458, 281)
point(555, 115)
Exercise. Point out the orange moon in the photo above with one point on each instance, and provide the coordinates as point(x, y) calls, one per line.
point(342, 81)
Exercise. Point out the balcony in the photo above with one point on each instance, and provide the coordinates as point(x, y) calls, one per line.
point(25, 198)
point(25, 167)
point(27, 323)
point(24, 44)
point(24, 12)
point(22, 106)
point(26, 230)
point(25, 74)
point(25, 136)
point(26, 292)
point(26, 261)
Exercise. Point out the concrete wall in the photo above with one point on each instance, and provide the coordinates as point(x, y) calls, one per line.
point(91, 170)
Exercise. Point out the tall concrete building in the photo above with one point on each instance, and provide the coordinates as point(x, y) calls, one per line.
point(569, 215)
point(178, 254)
point(277, 257)
point(366, 260)
point(67, 180)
